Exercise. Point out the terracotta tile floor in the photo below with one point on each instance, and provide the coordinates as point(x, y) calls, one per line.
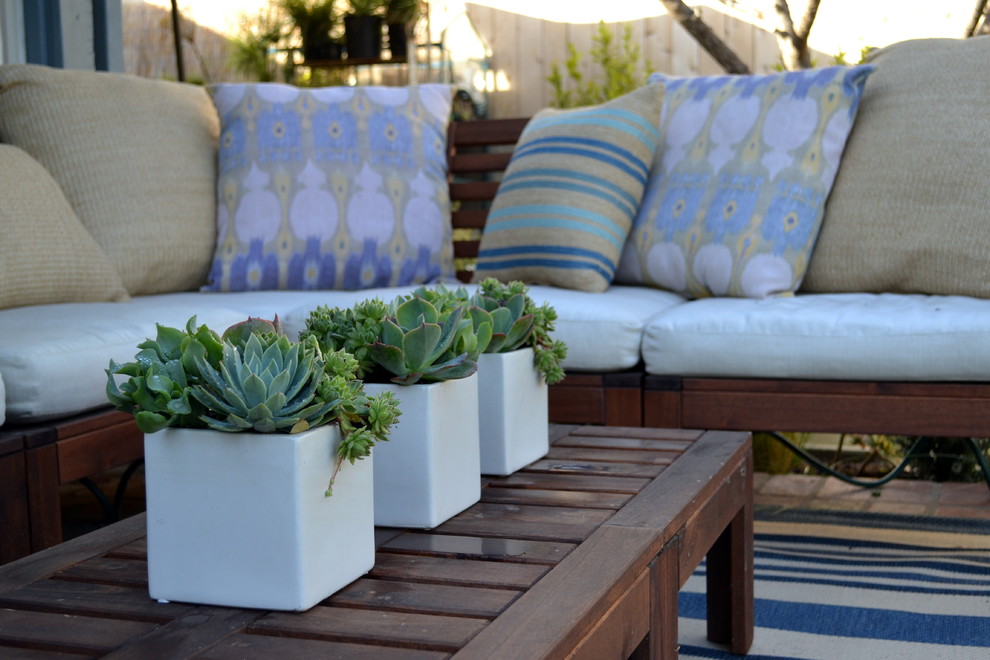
point(951, 499)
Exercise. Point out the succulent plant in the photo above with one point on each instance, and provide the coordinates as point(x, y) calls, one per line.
point(423, 336)
point(269, 385)
point(418, 343)
point(157, 389)
point(251, 378)
point(351, 329)
point(517, 321)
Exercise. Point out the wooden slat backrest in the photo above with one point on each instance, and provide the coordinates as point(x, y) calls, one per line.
point(478, 152)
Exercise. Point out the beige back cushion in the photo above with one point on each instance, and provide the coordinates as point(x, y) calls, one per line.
point(910, 208)
point(136, 159)
point(46, 255)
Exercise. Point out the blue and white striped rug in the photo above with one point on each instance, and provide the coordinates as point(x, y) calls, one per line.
point(837, 585)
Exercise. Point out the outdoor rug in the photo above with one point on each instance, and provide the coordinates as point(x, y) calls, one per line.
point(835, 585)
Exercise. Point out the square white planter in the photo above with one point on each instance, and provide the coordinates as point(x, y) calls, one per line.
point(513, 411)
point(429, 470)
point(241, 519)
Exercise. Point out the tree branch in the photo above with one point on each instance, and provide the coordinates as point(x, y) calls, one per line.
point(804, 27)
point(981, 9)
point(705, 37)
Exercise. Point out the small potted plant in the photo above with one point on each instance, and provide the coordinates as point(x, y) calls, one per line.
point(363, 29)
point(518, 364)
point(423, 349)
point(245, 435)
point(316, 20)
point(400, 17)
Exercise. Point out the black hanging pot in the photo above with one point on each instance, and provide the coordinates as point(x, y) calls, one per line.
point(397, 40)
point(363, 35)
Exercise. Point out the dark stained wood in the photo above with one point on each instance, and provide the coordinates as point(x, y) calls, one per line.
point(463, 572)
point(608, 455)
point(664, 570)
point(77, 458)
point(593, 500)
point(66, 633)
point(41, 468)
point(582, 563)
point(14, 513)
point(622, 628)
point(93, 599)
point(592, 467)
point(256, 647)
point(580, 481)
point(124, 572)
point(463, 547)
point(423, 631)
point(427, 598)
point(541, 523)
point(561, 609)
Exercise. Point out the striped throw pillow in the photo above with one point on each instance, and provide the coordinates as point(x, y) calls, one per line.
point(569, 195)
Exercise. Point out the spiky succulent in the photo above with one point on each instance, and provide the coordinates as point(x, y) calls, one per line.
point(518, 321)
point(417, 343)
point(251, 378)
point(268, 385)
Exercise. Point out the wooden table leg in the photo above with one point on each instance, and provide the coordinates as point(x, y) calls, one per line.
point(41, 462)
point(15, 541)
point(730, 583)
point(665, 579)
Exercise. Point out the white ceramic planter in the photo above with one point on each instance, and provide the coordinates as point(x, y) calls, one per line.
point(512, 410)
point(240, 519)
point(429, 470)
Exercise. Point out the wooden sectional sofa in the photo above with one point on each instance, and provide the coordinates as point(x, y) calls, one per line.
point(887, 357)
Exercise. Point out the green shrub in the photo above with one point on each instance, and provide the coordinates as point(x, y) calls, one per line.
point(622, 71)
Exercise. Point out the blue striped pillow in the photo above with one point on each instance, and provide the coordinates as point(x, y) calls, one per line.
point(570, 193)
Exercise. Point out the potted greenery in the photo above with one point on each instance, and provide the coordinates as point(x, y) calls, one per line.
point(518, 364)
point(316, 20)
point(400, 16)
point(363, 29)
point(423, 349)
point(243, 434)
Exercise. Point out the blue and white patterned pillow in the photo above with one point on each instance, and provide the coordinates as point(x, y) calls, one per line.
point(572, 188)
point(331, 188)
point(737, 192)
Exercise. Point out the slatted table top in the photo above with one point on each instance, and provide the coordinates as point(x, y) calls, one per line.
point(531, 571)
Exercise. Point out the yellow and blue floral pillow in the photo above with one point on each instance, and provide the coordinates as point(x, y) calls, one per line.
point(331, 188)
point(737, 191)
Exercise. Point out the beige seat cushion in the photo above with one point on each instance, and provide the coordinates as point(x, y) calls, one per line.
point(46, 255)
point(135, 158)
point(910, 208)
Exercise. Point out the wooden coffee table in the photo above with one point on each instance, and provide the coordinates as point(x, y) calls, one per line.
point(580, 553)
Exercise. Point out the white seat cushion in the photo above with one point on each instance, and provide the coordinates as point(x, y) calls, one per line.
point(53, 356)
point(824, 336)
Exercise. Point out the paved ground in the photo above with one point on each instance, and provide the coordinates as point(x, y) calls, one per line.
point(906, 496)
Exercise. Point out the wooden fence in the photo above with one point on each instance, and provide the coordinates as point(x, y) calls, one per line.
point(523, 50)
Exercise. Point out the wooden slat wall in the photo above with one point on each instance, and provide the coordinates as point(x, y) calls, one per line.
point(524, 49)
